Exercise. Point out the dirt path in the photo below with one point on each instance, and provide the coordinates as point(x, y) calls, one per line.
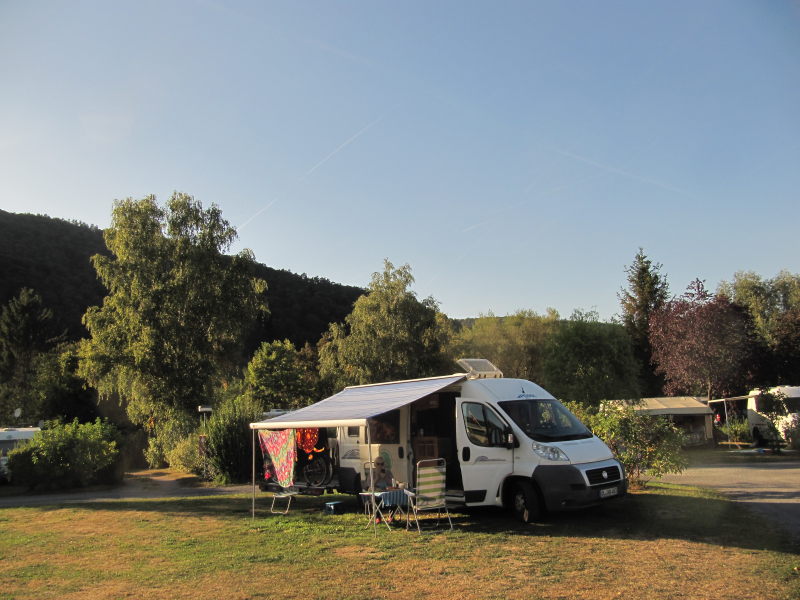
point(158, 483)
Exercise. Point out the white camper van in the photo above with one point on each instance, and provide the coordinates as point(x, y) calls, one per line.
point(760, 424)
point(506, 442)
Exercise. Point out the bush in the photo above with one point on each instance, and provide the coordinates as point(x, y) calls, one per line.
point(185, 455)
point(647, 446)
point(790, 428)
point(737, 430)
point(165, 435)
point(229, 438)
point(66, 455)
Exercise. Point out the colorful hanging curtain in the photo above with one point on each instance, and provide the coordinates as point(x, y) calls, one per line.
point(280, 448)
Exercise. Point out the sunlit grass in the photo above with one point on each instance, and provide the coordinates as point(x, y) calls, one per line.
point(665, 541)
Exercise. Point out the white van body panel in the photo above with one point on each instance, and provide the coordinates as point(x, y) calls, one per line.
point(489, 468)
point(585, 451)
point(756, 420)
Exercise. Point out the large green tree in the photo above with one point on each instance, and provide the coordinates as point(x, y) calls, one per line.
point(647, 292)
point(389, 335)
point(514, 343)
point(171, 326)
point(588, 361)
point(774, 306)
point(279, 376)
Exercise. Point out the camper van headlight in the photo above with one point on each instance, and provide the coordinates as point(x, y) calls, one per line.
point(549, 452)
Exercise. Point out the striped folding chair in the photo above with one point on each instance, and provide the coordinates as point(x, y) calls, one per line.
point(429, 495)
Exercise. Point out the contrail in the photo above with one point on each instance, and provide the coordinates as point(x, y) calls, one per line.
point(361, 132)
point(308, 173)
point(612, 169)
point(246, 223)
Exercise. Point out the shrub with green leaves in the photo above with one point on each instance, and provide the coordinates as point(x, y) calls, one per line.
point(737, 430)
point(67, 455)
point(185, 455)
point(647, 445)
point(165, 434)
point(229, 438)
point(790, 429)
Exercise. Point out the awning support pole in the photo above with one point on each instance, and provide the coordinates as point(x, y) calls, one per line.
point(253, 508)
point(373, 504)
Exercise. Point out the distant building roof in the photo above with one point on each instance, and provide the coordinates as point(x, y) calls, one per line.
point(674, 405)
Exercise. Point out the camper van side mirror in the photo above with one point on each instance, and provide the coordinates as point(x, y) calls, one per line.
point(510, 439)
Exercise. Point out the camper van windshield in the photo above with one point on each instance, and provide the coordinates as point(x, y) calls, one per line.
point(545, 420)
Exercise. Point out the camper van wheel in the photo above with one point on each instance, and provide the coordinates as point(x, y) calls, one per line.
point(318, 471)
point(525, 502)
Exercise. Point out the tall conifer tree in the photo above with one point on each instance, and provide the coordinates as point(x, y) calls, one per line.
point(647, 292)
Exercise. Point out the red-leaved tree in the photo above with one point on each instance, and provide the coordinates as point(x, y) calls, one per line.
point(702, 343)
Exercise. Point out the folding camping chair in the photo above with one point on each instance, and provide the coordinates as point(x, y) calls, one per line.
point(429, 495)
point(285, 493)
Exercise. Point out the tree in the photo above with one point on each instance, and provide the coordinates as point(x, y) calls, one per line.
point(389, 335)
point(647, 293)
point(170, 329)
point(515, 343)
point(786, 346)
point(774, 306)
point(279, 376)
point(702, 343)
point(647, 445)
point(25, 337)
point(229, 436)
point(588, 361)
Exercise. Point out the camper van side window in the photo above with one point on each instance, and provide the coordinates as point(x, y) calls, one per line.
point(484, 428)
point(352, 431)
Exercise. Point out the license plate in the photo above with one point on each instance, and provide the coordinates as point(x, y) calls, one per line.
point(608, 492)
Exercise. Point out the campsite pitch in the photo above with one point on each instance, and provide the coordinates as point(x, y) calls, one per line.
point(662, 542)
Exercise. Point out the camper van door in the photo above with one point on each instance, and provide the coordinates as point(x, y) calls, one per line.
point(482, 451)
point(387, 434)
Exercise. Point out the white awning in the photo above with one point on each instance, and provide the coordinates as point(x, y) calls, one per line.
point(354, 405)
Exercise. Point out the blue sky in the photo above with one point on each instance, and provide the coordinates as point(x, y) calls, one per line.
point(515, 154)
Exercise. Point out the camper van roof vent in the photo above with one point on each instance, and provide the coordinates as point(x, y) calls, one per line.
point(479, 368)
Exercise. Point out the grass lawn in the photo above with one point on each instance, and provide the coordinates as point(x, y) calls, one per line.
point(661, 542)
point(730, 453)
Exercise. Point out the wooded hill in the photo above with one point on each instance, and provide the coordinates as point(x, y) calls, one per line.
point(52, 256)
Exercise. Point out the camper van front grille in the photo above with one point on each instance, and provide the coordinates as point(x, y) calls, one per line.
point(602, 475)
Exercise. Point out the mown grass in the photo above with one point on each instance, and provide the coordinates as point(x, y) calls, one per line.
point(665, 541)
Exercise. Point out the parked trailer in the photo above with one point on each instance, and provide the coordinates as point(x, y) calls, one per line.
point(759, 422)
point(10, 438)
point(506, 442)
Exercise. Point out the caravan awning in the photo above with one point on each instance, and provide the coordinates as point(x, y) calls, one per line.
point(354, 405)
point(677, 405)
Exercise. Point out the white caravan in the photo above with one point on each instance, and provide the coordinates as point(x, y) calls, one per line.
point(10, 438)
point(760, 424)
point(506, 442)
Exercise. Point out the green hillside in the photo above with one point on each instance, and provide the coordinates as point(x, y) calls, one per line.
point(52, 256)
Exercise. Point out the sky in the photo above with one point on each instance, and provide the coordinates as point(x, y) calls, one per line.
point(515, 154)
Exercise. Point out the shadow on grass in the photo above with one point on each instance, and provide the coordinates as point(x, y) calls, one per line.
point(661, 511)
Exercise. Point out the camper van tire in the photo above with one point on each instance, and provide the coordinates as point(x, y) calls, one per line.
point(525, 502)
point(318, 471)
